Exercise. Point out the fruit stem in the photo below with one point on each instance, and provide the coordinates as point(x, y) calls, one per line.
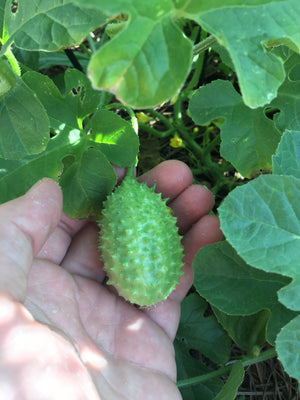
point(129, 171)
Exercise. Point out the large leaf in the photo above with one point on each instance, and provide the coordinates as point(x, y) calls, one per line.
point(24, 123)
point(48, 24)
point(262, 221)
point(249, 138)
point(288, 347)
point(244, 30)
point(147, 62)
point(233, 287)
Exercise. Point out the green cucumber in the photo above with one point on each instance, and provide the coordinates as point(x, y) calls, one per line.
point(139, 243)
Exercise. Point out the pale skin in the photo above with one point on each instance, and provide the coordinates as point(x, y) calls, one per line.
point(64, 334)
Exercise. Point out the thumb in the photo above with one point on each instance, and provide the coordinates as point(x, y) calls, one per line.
point(25, 225)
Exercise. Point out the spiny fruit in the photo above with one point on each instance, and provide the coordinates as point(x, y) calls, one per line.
point(140, 244)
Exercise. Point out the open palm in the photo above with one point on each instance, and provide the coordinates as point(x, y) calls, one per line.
point(65, 334)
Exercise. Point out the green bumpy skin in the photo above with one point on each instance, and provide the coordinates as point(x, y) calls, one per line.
point(140, 245)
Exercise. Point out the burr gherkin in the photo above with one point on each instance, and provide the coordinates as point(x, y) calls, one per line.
point(139, 243)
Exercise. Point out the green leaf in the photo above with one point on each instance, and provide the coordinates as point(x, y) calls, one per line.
point(244, 30)
point(75, 158)
point(262, 221)
point(110, 133)
point(19, 175)
point(288, 98)
point(24, 123)
point(48, 25)
point(233, 382)
point(191, 7)
point(83, 99)
point(247, 332)
point(249, 138)
point(141, 65)
point(286, 161)
point(224, 279)
point(288, 347)
point(61, 111)
point(86, 183)
point(115, 138)
point(84, 173)
point(202, 333)
point(187, 367)
point(65, 110)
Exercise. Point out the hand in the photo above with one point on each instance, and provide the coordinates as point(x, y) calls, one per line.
point(64, 334)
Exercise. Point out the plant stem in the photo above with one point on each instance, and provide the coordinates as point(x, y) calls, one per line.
point(91, 43)
point(266, 355)
point(13, 62)
point(204, 45)
point(155, 132)
point(159, 116)
point(85, 50)
point(190, 141)
point(133, 118)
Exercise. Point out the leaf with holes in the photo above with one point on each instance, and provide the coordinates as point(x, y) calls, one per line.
point(77, 156)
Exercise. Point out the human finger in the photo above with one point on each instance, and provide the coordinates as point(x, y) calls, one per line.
point(192, 204)
point(82, 257)
point(171, 177)
point(26, 223)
